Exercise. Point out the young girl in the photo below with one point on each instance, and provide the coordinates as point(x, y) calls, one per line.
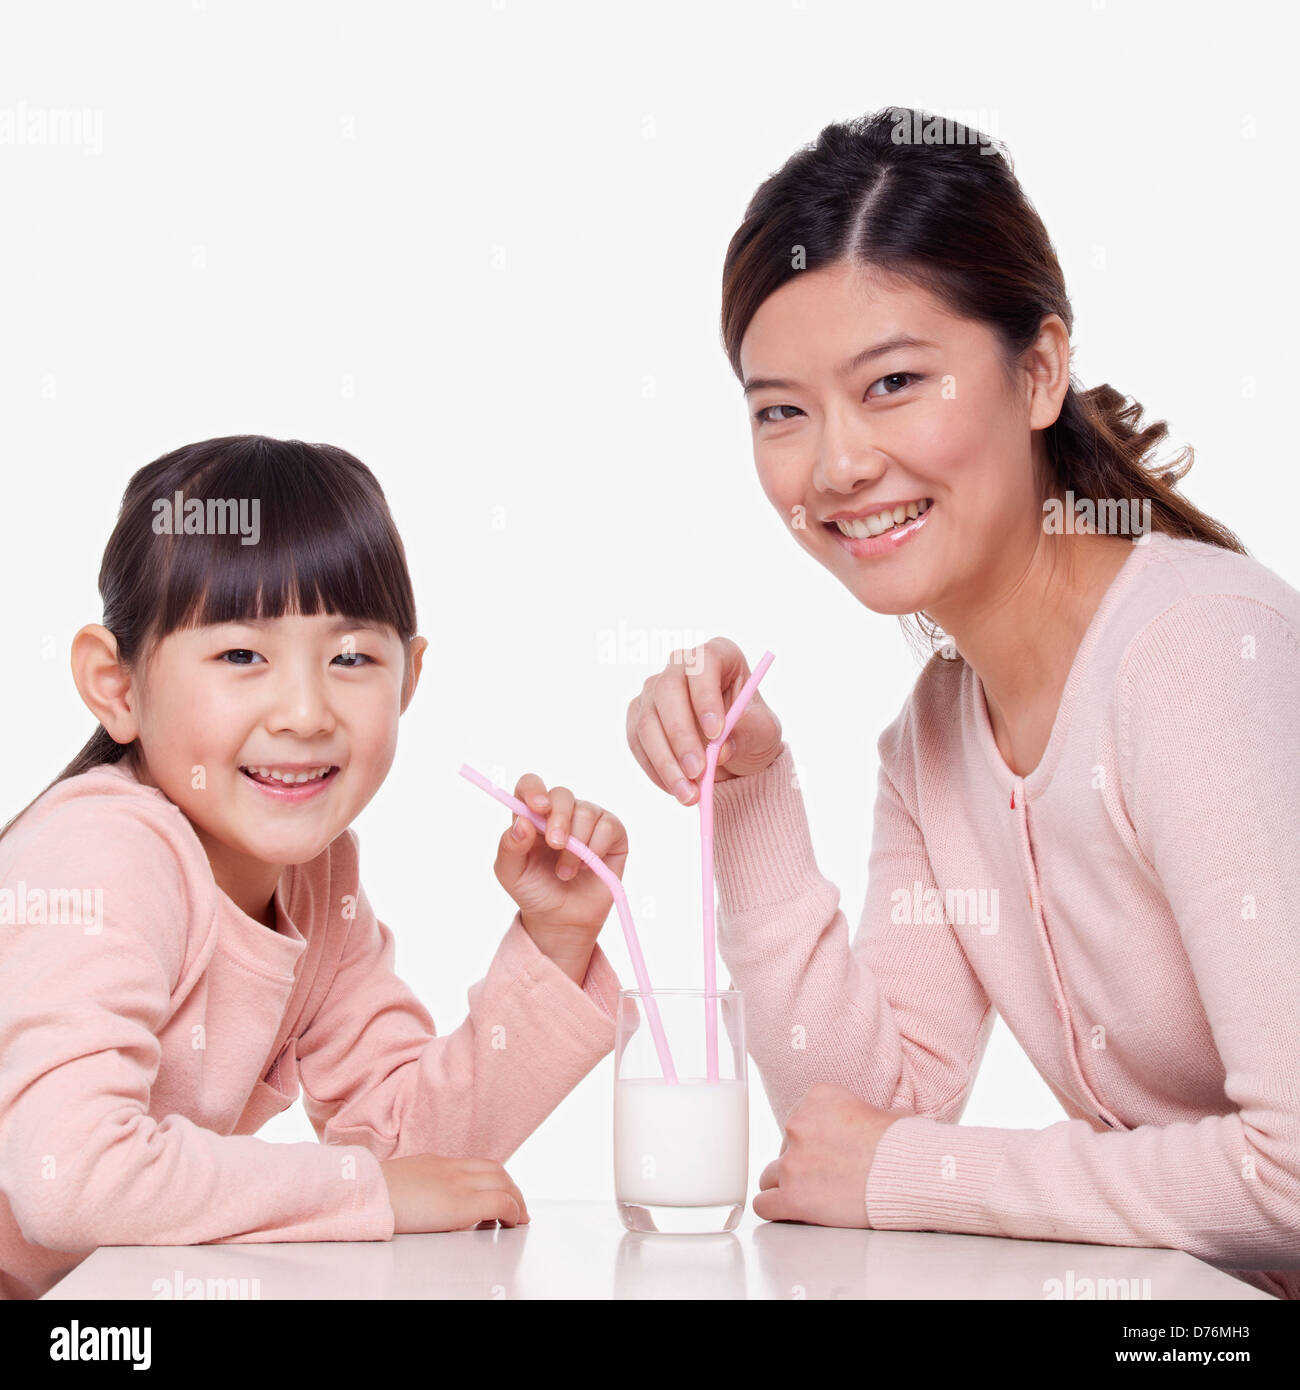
point(1088, 811)
point(185, 937)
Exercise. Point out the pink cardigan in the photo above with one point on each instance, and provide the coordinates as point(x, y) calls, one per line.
point(1131, 909)
point(143, 1043)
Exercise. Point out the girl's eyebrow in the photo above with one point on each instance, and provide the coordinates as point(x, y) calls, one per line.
point(343, 625)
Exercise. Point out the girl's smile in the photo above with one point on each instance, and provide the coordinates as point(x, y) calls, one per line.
point(290, 783)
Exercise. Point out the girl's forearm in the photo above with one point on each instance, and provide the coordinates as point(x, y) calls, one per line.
point(575, 967)
point(571, 952)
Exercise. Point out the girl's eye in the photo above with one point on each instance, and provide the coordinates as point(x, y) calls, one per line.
point(241, 656)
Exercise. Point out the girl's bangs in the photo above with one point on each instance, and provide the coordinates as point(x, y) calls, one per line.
point(310, 541)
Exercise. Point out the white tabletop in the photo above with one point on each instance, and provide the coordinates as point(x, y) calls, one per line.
point(581, 1250)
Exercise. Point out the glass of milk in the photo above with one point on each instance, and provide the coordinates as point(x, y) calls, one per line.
point(681, 1150)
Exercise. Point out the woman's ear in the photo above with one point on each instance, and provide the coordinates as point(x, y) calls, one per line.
point(1049, 378)
point(414, 663)
point(103, 682)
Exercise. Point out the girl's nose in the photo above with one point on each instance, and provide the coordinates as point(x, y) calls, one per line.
point(301, 708)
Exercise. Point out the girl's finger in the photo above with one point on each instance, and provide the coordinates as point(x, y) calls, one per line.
point(560, 818)
point(496, 1179)
point(585, 816)
point(512, 1188)
point(519, 838)
point(608, 842)
point(531, 790)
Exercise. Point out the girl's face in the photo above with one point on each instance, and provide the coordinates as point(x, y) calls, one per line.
point(931, 420)
point(284, 695)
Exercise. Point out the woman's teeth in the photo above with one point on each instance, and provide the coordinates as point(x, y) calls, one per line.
point(274, 775)
point(883, 521)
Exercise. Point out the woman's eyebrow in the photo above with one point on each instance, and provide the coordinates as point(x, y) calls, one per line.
point(845, 368)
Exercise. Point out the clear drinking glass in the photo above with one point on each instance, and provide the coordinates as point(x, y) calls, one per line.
point(681, 1150)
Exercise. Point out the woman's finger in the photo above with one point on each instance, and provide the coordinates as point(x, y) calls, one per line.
point(717, 678)
point(654, 741)
point(704, 692)
point(634, 713)
point(772, 1205)
point(672, 703)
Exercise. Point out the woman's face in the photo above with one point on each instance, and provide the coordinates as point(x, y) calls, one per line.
point(931, 421)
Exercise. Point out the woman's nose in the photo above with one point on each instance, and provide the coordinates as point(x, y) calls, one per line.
point(847, 458)
point(845, 463)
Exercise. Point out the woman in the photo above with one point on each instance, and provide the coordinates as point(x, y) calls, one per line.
point(1087, 810)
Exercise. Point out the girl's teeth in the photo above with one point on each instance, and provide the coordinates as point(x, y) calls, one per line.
point(883, 521)
point(272, 775)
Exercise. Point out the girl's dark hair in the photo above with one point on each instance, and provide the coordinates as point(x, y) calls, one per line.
point(936, 203)
point(323, 541)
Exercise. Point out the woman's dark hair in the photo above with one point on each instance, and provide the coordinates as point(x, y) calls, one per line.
point(934, 202)
point(278, 526)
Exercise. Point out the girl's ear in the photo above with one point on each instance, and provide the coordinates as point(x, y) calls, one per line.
point(103, 683)
point(418, 645)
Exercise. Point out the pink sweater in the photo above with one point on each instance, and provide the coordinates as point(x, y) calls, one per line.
point(1131, 909)
point(142, 1048)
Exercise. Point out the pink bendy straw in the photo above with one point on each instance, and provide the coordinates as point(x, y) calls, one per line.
point(614, 884)
point(706, 855)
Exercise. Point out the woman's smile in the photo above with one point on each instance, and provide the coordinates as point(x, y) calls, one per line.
point(864, 542)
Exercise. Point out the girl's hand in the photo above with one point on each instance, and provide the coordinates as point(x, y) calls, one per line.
point(821, 1174)
point(562, 903)
point(682, 708)
point(431, 1193)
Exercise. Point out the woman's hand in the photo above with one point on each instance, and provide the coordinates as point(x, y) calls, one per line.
point(821, 1175)
point(431, 1193)
point(682, 708)
point(562, 904)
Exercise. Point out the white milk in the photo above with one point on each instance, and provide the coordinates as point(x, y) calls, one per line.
point(683, 1144)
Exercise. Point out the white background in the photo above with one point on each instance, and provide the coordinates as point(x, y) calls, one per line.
point(480, 245)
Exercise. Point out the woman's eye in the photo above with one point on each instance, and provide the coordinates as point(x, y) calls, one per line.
point(351, 660)
point(905, 378)
point(894, 376)
point(239, 652)
point(762, 416)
